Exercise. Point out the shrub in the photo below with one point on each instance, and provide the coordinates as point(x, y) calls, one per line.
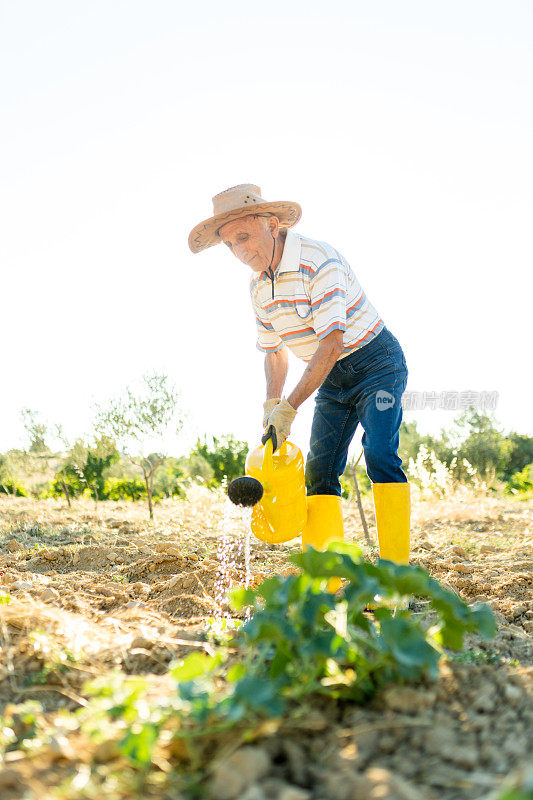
point(13, 488)
point(169, 479)
point(521, 483)
point(125, 488)
point(226, 457)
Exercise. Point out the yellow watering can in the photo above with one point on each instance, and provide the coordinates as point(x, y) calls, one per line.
point(281, 513)
point(275, 486)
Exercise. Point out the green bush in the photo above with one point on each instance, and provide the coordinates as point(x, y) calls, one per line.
point(226, 457)
point(521, 483)
point(13, 488)
point(169, 479)
point(197, 469)
point(72, 477)
point(125, 489)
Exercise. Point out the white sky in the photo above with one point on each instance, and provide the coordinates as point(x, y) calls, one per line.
point(404, 129)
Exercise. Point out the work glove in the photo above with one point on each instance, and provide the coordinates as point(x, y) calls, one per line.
point(268, 408)
point(279, 424)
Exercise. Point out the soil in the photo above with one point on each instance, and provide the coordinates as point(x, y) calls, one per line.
point(117, 591)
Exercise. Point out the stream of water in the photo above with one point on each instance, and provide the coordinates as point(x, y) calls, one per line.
point(234, 550)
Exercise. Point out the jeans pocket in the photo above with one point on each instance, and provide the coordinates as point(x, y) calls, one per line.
point(375, 358)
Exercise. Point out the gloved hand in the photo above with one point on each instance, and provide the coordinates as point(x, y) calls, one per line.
point(268, 408)
point(279, 423)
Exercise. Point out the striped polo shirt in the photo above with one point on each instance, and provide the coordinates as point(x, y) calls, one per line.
point(314, 292)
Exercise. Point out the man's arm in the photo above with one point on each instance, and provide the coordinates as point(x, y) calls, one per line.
point(328, 350)
point(276, 365)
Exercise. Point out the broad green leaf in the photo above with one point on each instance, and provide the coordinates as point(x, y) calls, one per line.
point(408, 645)
point(138, 744)
point(193, 666)
point(280, 661)
point(316, 605)
point(259, 694)
point(484, 620)
point(352, 550)
point(236, 672)
point(239, 598)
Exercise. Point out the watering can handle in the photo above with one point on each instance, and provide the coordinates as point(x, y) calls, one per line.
point(267, 452)
point(271, 435)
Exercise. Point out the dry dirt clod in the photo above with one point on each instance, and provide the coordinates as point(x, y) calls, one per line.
point(346, 785)
point(389, 786)
point(253, 792)
point(22, 585)
point(462, 568)
point(141, 642)
point(488, 548)
point(106, 751)
point(293, 793)
point(485, 700)
point(458, 551)
point(463, 583)
point(244, 767)
point(297, 760)
point(408, 700)
point(49, 595)
point(10, 779)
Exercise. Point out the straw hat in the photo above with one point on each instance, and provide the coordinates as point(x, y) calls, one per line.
point(234, 203)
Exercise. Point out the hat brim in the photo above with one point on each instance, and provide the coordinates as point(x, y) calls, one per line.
point(206, 233)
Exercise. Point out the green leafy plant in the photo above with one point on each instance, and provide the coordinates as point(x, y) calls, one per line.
point(309, 640)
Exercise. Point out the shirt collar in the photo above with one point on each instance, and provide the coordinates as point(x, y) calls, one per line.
point(290, 258)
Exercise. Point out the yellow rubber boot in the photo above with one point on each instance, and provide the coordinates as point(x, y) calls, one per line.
point(392, 502)
point(324, 525)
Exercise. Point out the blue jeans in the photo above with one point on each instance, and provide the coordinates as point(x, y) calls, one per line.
point(365, 387)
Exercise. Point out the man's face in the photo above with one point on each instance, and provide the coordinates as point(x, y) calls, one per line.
point(251, 240)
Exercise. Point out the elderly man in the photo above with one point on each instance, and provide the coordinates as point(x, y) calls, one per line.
point(306, 298)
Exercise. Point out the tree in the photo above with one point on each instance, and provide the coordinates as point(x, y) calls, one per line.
point(169, 480)
point(226, 457)
point(101, 455)
point(485, 447)
point(37, 431)
point(521, 453)
point(83, 466)
point(136, 419)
